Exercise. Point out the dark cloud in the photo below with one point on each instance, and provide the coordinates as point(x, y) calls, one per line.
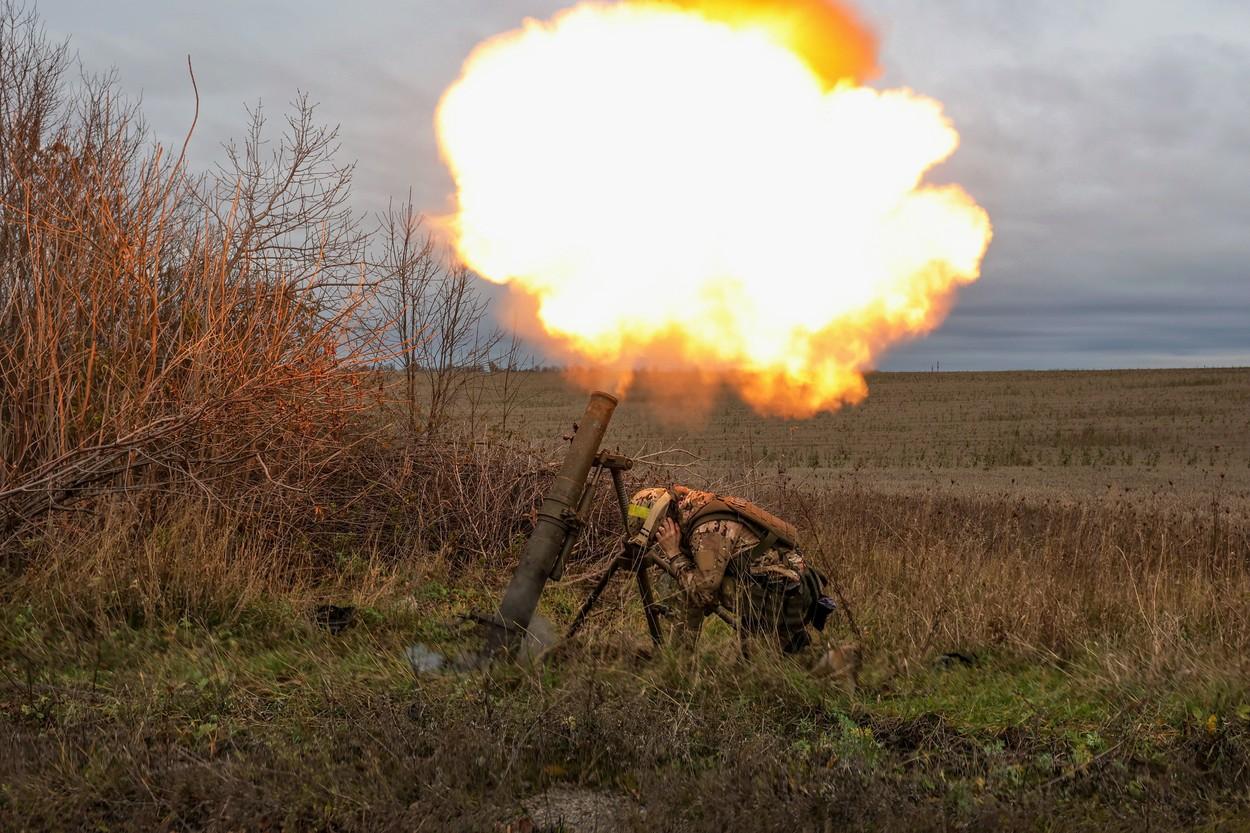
point(1108, 144)
point(1108, 140)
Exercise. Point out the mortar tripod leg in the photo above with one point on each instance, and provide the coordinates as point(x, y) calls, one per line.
point(587, 605)
point(648, 605)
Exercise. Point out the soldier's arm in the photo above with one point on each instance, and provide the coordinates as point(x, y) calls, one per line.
point(668, 547)
point(700, 573)
point(711, 552)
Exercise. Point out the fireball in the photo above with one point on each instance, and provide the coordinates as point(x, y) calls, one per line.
point(709, 184)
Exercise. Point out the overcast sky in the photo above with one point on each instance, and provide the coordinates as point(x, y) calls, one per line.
point(1109, 141)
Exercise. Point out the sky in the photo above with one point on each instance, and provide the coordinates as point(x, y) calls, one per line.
point(1109, 141)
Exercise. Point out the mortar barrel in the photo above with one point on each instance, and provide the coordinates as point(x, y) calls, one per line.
point(552, 528)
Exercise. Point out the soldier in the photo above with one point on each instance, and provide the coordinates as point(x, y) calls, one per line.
point(728, 551)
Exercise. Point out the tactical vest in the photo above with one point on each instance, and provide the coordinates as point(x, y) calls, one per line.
point(764, 525)
point(799, 604)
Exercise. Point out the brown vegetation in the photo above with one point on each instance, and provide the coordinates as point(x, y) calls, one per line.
point(198, 445)
point(164, 334)
point(1049, 514)
point(174, 345)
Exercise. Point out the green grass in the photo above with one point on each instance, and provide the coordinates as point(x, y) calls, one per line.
point(271, 721)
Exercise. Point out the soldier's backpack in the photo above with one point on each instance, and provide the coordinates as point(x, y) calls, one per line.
point(771, 532)
point(764, 524)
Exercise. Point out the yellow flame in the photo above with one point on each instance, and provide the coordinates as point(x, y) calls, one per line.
point(662, 185)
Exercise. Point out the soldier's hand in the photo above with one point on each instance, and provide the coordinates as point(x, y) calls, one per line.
point(669, 538)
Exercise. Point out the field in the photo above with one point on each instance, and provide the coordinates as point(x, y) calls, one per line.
point(249, 457)
point(1048, 573)
point(1178, 436)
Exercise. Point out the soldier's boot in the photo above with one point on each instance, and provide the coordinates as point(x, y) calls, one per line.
point(795, 641)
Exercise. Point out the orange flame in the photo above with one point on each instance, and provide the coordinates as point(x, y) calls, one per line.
point(703, 183)
point(834, 43)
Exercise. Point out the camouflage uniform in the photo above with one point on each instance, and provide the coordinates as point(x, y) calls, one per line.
point(770, 593)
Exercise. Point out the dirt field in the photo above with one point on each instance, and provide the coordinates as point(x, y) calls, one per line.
point(1176, 436)
point(1048, 574)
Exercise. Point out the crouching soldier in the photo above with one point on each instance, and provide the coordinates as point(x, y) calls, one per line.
point(729, 552)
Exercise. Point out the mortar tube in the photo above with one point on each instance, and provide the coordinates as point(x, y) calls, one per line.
point(552, 528)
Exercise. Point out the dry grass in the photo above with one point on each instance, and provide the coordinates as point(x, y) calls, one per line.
point(194, 453)
point(1057, 548)
point(1161, 593)
point(1179, 436)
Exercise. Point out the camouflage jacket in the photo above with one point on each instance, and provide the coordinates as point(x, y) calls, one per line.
point(712, 546)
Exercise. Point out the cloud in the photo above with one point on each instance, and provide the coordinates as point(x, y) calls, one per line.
point(1107, 140)
point(1108, 150)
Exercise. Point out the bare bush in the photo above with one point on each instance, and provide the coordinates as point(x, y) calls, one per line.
point(508, 388)
point(158, 329)
point(438, 319)
point(173, 343)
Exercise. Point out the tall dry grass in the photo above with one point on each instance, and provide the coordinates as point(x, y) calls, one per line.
point(179, 345)
point(191, 421)
point(162, 333)
point(1146, 587)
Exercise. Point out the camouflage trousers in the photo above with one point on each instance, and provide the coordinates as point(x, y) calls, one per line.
point(762, 609)
point(771, 607)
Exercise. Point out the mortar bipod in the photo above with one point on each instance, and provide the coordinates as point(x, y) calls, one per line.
point(577, 519)
point(634, 555)
point(631, 557)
